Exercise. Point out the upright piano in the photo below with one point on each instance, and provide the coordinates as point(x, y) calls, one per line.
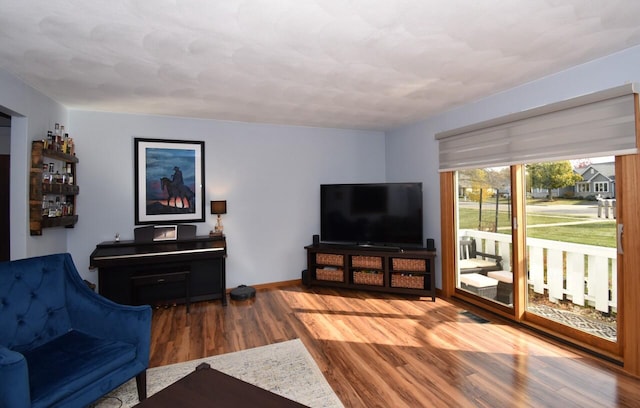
point(162, 272)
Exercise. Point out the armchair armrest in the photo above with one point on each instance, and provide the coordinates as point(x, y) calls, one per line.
point(101, 317)
point(14, 379)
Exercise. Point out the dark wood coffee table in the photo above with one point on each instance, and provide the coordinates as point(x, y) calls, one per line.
point(207, 387)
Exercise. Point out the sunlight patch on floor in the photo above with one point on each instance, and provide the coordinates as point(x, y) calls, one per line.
point(348, 320)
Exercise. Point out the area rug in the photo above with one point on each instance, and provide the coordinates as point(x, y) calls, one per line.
point(284, 368)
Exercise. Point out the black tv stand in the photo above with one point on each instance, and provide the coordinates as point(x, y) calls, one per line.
point(378, 268)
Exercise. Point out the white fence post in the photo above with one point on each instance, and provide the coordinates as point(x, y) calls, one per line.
point(614, 284)
point(536, 269)
point(598, 281)
point(576, 277)
point(555, 281)
point(504, 250)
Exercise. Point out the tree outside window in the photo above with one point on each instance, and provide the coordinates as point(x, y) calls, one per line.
point(552, 175)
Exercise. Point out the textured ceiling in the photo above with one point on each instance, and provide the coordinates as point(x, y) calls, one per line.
point(369, 64)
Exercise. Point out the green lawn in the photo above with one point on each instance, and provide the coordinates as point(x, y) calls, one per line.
point(601, 233)
point(559, 201)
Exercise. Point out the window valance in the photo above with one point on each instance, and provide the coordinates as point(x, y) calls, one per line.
point(598, 124)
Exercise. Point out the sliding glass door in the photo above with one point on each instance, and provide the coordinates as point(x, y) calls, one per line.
point(571, 246)
point(566, 214)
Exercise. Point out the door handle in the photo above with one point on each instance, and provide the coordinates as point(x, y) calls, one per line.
point(619, 236)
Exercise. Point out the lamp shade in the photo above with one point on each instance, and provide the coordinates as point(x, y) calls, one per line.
point(219, 207)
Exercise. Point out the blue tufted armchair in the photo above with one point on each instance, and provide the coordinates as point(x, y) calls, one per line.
point(61, 344)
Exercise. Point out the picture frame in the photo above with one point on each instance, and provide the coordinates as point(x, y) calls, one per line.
point(169, 181)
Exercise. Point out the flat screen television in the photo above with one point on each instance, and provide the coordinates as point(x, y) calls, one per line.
point(371, 214)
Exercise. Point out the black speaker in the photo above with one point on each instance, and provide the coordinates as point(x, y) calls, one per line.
point(316, 240)
point(306, 278)
point(431, 244)
point(143, 234)
point(186, 231)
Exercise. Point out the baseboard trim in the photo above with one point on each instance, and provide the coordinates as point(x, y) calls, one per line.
point(297, 282)
point(273, 285)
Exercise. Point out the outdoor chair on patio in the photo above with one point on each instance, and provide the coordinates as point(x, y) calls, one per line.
point(474, 261)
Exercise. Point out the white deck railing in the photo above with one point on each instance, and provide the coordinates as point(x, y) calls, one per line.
point(584, 274)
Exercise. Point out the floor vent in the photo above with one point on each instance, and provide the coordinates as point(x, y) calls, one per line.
point(474, 317)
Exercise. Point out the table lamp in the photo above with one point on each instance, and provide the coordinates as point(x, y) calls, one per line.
point(219, 208)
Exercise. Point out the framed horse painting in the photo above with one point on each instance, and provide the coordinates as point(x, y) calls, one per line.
point(169, 181)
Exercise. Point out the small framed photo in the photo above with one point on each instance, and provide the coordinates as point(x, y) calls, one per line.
point(165, 232)
point(169, 181)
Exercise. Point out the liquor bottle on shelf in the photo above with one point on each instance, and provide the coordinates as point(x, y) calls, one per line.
point(58, 207)
point(52, 209)
point(69, 174)
point(56, 137)
point(45, 173)
point(65, 143)
point(45, 206)
point(57, 178)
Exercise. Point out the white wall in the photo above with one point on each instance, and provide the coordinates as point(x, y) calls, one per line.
point(269, 175)
point(33, 114)
point(412, 152)
point(412, 155)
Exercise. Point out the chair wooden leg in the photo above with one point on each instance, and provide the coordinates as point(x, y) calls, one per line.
point(141, 383)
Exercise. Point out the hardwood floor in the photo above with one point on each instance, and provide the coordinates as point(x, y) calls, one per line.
point(379, 350)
